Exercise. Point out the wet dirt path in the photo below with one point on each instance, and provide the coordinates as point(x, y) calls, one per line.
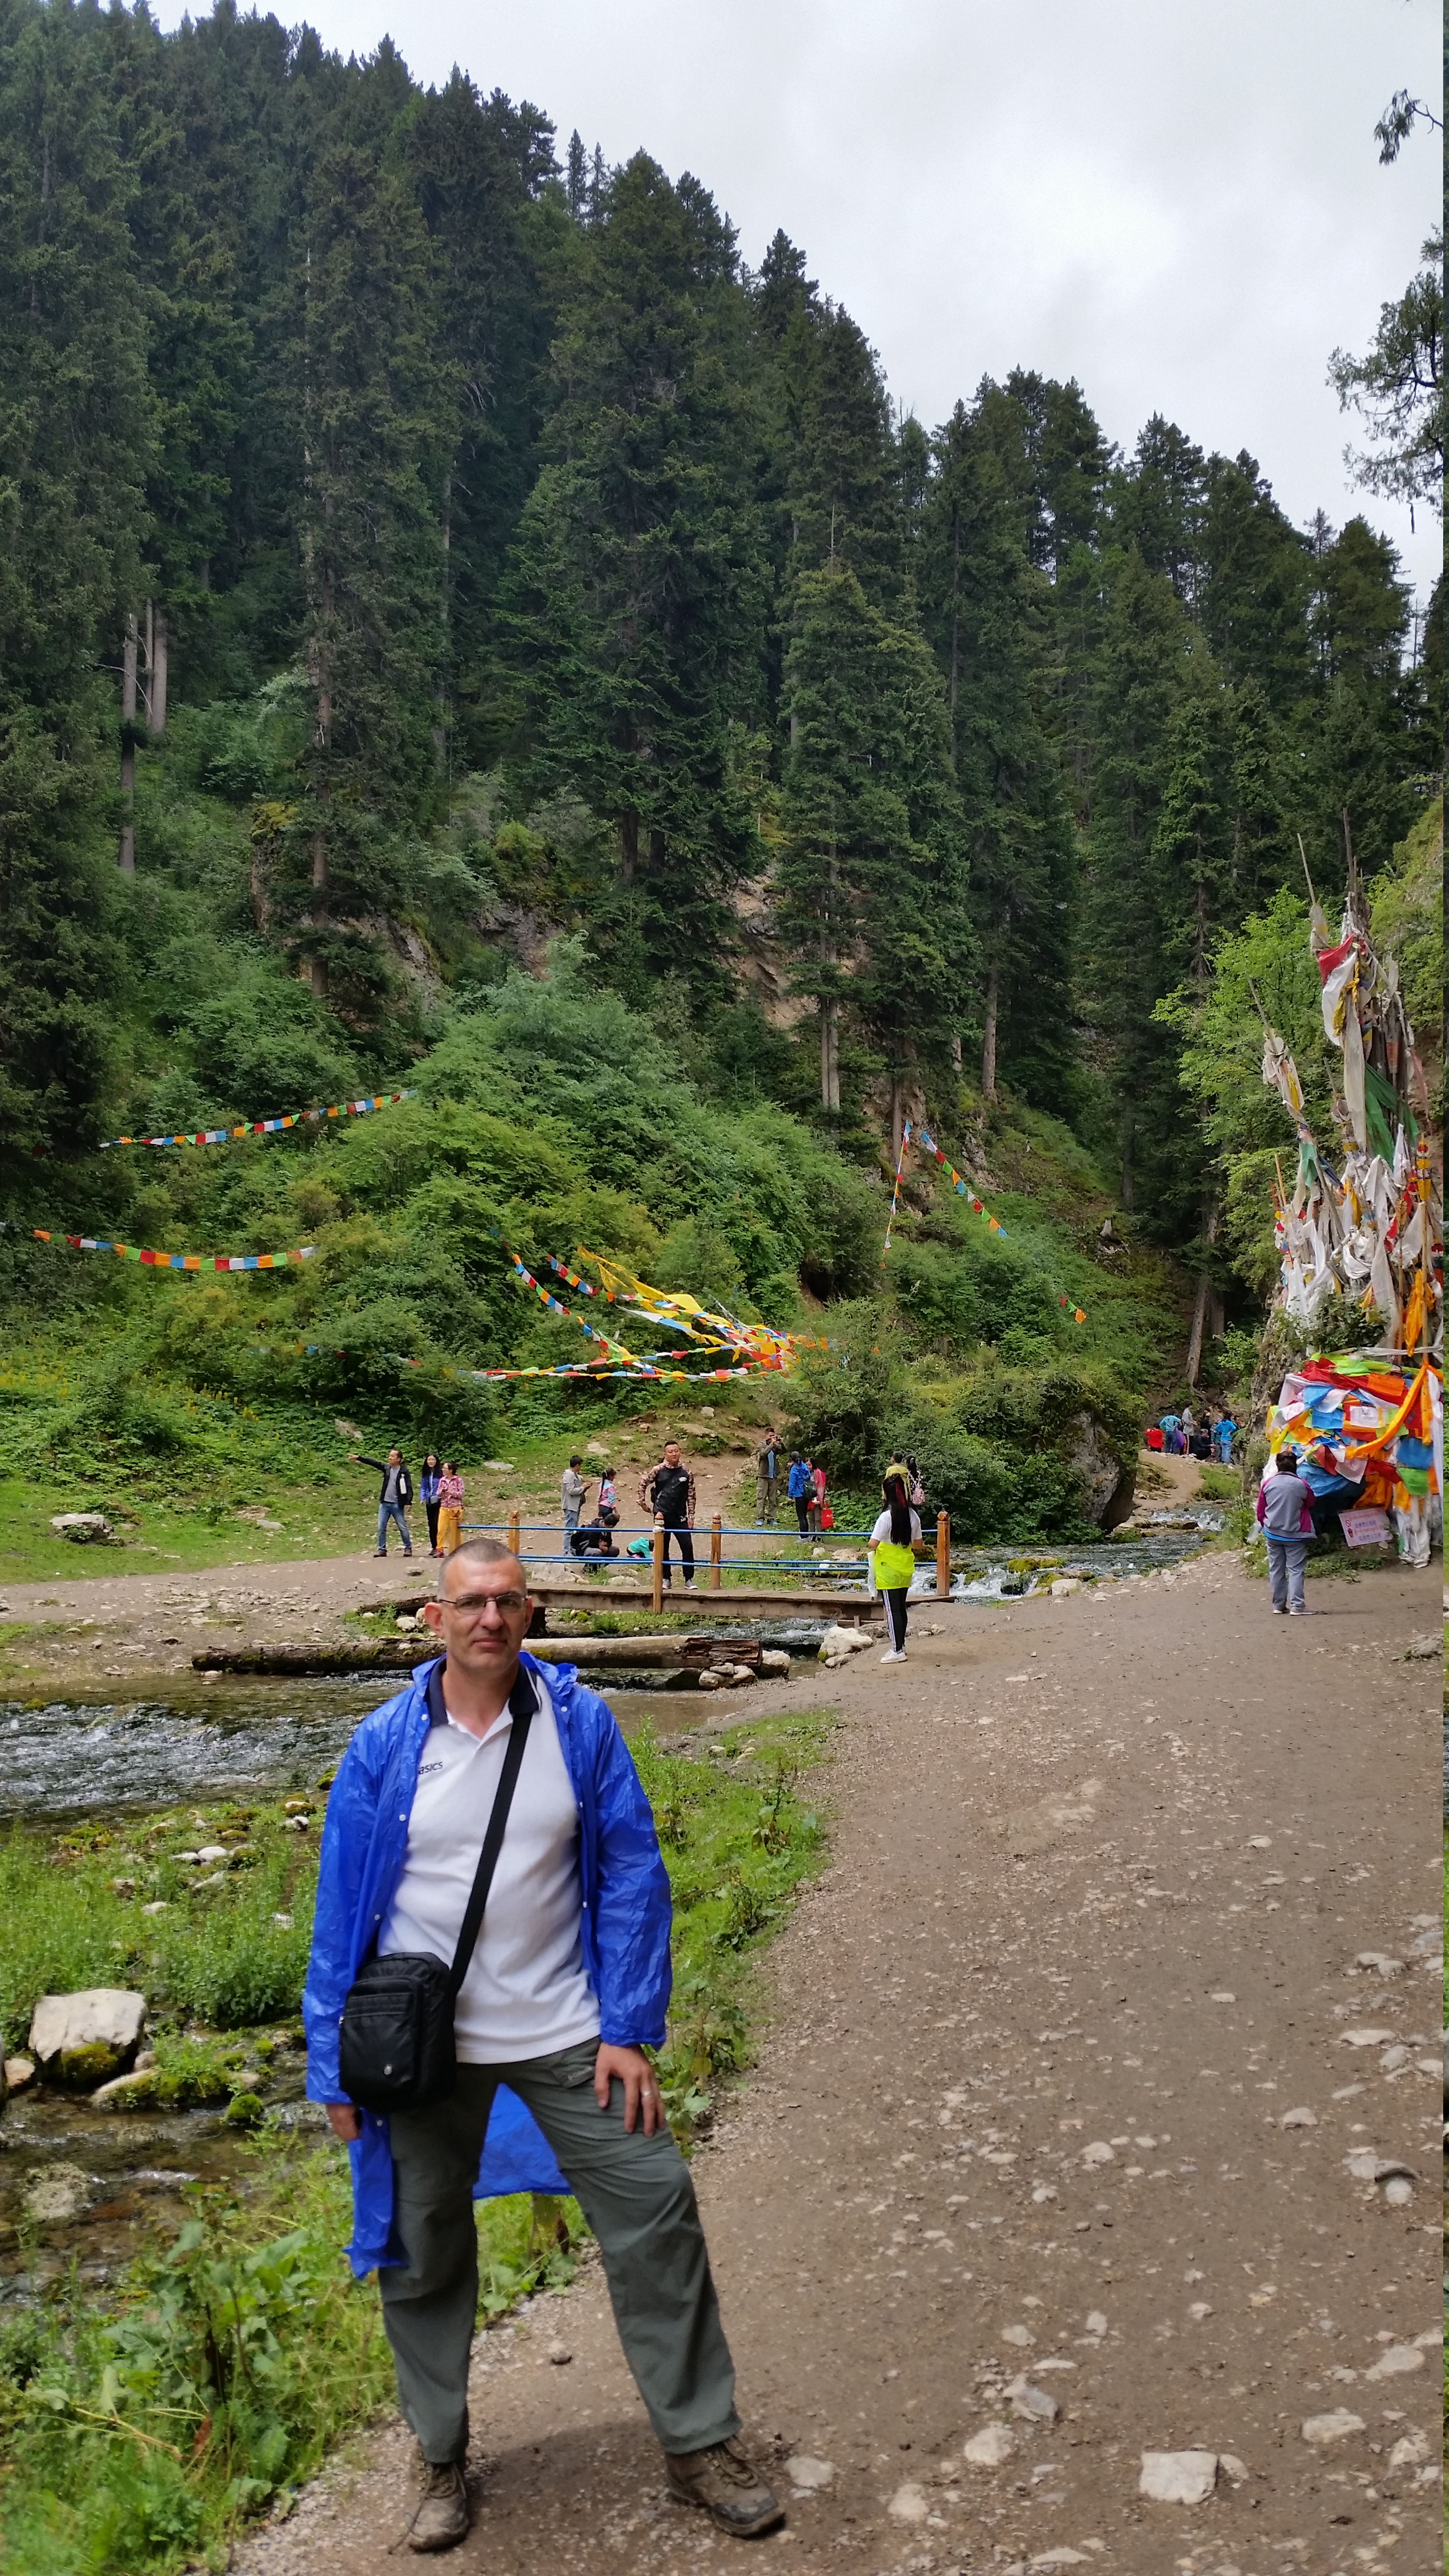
point(1102, 1870)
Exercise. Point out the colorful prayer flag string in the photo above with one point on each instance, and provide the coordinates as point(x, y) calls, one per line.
point(171, 1260)
point(268, 1126)
point(963, 1189)
point(896, 1191)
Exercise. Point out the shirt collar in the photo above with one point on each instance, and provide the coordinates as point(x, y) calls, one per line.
point(524, 1694)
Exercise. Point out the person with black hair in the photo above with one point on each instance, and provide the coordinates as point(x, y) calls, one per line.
point(893, 1543)
point(432, 1469)
point(1285, 1517)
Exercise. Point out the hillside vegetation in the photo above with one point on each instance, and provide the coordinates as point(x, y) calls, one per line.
point(464, 626)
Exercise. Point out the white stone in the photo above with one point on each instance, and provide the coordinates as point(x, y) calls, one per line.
point(1062, 2558)
point(99, 2017)
point(1396, 2361)
point(1017, 2334)
point(1224, 1995)
point(1061, 1590)
point(1380, 1962)
point(1323, 2430)
point(1398, 2192)
point(19, 2071)
point(1033, 2405)
point(84, 1529)
point(1365, 2038)
point(1096, 2322)
point(1098, 2153)
point(1178, 2477)
point(806, 2475)
point(774, 1659)
point(910, 2503)
point(55, 2193)
point(1232, 2467)
point(124, 2092)
point(1409, 2450)
point(990, 2447)
point(1302, 2118)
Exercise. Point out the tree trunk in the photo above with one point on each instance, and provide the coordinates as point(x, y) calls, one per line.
point(160, 671)
point(322, 668)
point(1125, 1190)
point(126, 854)
point(898, 1116)
point(829, 1003)
point(317, 966)
point(956, 1051)
point(988, 1042)
point(628, 847)
point(1200, 1305)
point(830, 1055)
point(440, 728)
point(954, 680)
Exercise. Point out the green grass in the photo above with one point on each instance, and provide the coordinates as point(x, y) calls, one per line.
point(144, 2423)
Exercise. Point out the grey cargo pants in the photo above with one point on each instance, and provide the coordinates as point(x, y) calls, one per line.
point(639, 2200)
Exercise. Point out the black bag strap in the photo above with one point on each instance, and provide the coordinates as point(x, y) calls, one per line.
point(521, 1705)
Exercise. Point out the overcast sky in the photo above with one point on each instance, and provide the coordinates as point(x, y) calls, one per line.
point(1179, 202)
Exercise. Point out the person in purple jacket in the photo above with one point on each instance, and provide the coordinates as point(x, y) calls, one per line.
point(566, 1988)
point(1285, 1516)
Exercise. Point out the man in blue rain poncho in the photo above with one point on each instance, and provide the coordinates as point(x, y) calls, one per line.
point(566, 1987)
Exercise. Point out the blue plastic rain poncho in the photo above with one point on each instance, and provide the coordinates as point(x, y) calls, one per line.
point(624, 1930)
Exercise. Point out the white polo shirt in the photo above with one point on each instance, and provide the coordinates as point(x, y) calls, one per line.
point(526, 1991)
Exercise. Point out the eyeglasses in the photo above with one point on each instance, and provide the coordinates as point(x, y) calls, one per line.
point(473, 1604)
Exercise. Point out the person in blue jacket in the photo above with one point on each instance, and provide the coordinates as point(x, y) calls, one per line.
point(566, 1988)
point(800, 1486)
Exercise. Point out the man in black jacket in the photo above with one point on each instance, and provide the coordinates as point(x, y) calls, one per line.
point(668, 1492)
point(392, 1502)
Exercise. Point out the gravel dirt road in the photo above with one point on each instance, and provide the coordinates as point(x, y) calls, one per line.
point(1071, 2049)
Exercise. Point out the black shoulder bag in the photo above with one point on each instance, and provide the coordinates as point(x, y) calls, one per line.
point(397, 2050)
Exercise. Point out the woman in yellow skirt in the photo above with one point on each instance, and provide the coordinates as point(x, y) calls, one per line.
point(893, 1543)
point(450, 1509)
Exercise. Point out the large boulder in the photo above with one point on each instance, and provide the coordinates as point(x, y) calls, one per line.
point(85, 2038)
point(1090, 1455)
point(83, 1529)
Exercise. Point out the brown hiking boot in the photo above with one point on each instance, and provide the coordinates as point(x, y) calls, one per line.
point(442, 2517)
point(722, 2480)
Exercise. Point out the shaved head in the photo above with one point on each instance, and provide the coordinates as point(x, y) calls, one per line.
point(480, 1551)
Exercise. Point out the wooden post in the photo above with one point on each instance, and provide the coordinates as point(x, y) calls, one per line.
point(513, 1520)
point(657, 1602)
point(943, 1555)
point(715, 1535)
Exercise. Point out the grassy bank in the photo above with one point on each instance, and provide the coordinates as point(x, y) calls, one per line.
point(143, 2423)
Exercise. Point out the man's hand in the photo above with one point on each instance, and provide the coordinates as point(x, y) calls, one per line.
point(641, 2093)
point(345, 2120)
